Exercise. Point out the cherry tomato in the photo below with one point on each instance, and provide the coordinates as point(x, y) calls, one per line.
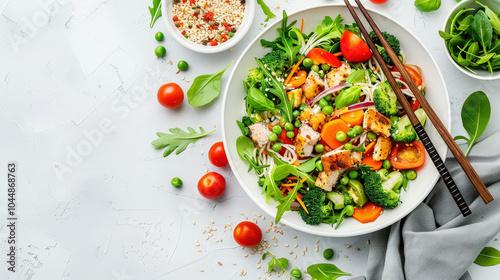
point(408, 156)
point(415, 76)
point(217, 155)
point(378, 1)
point(247, 234)
point(353, 48)
point(414, 104)
point(170, 95)
point(212, 185)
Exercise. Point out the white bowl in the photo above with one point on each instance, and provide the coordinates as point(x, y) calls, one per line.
point(234, 108)
point(481, 73)
point(166, 10)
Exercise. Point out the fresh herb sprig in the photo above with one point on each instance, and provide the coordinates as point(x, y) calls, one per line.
point(205, 88)
point(275, 262)
point(155, 12)
point(178, 140)
point(266, 10)
point(489, 256)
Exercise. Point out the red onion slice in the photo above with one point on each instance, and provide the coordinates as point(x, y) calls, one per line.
point(361, 105)
point(326, 92)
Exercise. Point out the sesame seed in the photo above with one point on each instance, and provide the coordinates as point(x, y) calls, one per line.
point(246, 256)
point(295, 236)
point(201, 152)
point(296, 245)
point(291, 253)
point(368, 241)
point(348, 246)
point(357, 249)
point(194, 223)
point(317, 241)
point(345, 256)
point(202, 270)
point(258, 267)
point(295, 256)
point(234, 263)
point(177, 72)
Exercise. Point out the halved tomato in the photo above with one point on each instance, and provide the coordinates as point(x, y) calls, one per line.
point(353, 48)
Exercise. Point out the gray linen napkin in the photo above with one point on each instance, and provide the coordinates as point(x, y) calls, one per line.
point(435, 241)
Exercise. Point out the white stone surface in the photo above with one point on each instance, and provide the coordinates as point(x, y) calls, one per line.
point(78, 111)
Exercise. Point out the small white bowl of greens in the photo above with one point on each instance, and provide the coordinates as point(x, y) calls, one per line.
point(472, 38)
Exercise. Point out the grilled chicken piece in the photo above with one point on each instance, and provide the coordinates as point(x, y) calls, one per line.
point(313, 86)
point(326, 180)
point(315, 119)
point(305, 140)
point(337, 75)
point(337, 160)
point(259, 132)
point(297, 97)
point(376, 122)
point(357, 157)
point(382, 148)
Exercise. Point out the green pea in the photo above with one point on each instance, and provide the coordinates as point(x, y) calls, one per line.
point(351, 133)
point(315, 68)
point(182, 65)
point(277, 129)
point(358, 129)
point(273, 137)
point(344, 180)
point(160, 51)
point(394, 119)
point(303, 106)
point(159, 36)
point(319, 165)
point(341, 136)
point(328, 253)
point(411, 174)
point(325, 67)
point(327, 110)
point(353, 174)
point(319, 148)
point(283, 120)
point(297, 124)
point(328, 97)
point(349, 210)
point(296, 114)
point(322, 103)
point(386, 164)
point(348, 146)
point(289, 126)
point(371, 135)
point(176, 182)
point(307, 62)
point(277, 147)
point(290, 134)
point(296, 273)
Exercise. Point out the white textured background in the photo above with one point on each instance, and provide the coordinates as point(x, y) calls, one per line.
point(78, 110)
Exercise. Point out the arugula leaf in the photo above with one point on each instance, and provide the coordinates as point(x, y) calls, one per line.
point(205, 88)
point(178, 140)
point(258, 100)
point(325, 271)
point(155, 12)
point(428, 5)
point(476, 113)
point(281, 263)
point(340, 219)
point(266, 10)
point(489, 256)
point(327, 31)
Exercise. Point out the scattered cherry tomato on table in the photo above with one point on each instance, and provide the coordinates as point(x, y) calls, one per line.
point(247, 234)
point(170, 95)
point(378, 1)
point(212, 185)
point(217, 155)
point(353, 48)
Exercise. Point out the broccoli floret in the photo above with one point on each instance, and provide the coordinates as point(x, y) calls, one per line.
point(403, 131)
point(383, 193)
point(393, 42)
point(354, 28)
point(337, 199)
point(255, 77)
point(385, 99)
point(275, 60)
point(314, 201)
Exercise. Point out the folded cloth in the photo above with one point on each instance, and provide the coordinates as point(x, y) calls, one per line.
point(435, 241)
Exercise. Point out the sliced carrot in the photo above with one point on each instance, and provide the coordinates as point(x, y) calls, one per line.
point(354, 117)
point(294, 68)
point(369, 213)
point(369, 148)
point(296, 163)
point(302, 26)
point(270, 127)
point(303, 180)
point(292, 178)
point(283, 190)
point(368, 160)
point(330, 130)
point(337, 54)
point(288, 185)
point(299, 79)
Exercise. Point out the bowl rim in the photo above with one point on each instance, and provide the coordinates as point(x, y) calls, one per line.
point(307, 228)
point(244, 27)
point(490, 76)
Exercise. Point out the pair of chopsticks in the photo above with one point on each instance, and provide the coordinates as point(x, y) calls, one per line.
point(424, 138)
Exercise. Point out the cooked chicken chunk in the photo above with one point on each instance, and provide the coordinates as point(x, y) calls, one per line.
point(382, 148)
point(313, 86)
point(326, 180)
point(337, 160)
point(376, 122)
point(337, 75)
point(315, 119)
point(305, 140)
point(259, 132)
point(297, 97)
point(356, 157)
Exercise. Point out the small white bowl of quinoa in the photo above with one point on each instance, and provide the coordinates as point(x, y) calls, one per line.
point(208, 26)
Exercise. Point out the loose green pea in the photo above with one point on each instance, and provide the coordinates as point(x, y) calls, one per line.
point(371, 135)
point(344, 180)
point(273, 137)
point(328, 97)
point(351, 133)
point(327, 110)
point(322, 103)
point(358, 129)
point(296, 114)
point(319, 148)
point(160, 51)
point(277, 129)
point(307, 62)
point(290, 134)
point(159, 36)
point(328, 253)
point(386, 164)
point(296, 273)
point(411, 174)
point(340, 136)
point(319, 165)
point(297, 124)
point(315, 68)
point(289, 126)
point(394, 119)
point(353, 174)
point(349, 210)
point(325, 67)
point(302, 106)
point(277, 147)
point(348, 146)
point(182, 65)
point(176, 182)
